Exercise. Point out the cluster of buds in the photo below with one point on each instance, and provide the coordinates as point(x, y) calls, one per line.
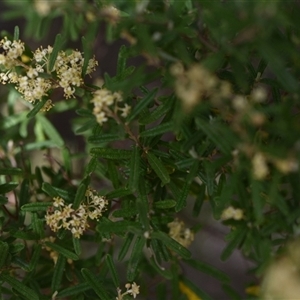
point(181, 234)
point(132, 289)
point(196, 83)
point(232, 213)
point(103, 100)
point(65, 216)
point(33, 80)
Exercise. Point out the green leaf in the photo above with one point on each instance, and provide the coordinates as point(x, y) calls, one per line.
point(165, 204)
point(159, 111)
point(3, 253)
point(51, 131)
point(91, 166)
point(219, 135)
point(116, 227)
point(103, 138)
point(236, 238)
point(37, 107)
point(160, 270)
point(171, 243)
point(36, 206)
point(16, 33)
point(74, 290)
point(89, 277)
point(181, 200)
point(122, 58)
point(59, 270)
point(142, 204)
point(37, 225)
point(142, 104)
point(35, 257)
point(258, 201)
point(11, 171)
point(3, 200)
point(24, 195)
point(107, 153)
point(65, 252)
point(208, 269)
point(190, 285)
point(7, 187)
point(113, 173)
point(158, 130)
point(119, 193)
point(136, 255)
point(80, 194)
point(158, 168)
point(134, 174)
point(49, 189)
point(126, 245)
point(76, 245)
point(20, 287)
point(56, 48)
point(111, 266)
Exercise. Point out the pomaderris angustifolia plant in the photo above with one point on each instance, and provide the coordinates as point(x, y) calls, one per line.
point(108, 180)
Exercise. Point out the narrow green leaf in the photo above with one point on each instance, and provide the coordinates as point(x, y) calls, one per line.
point(111, 266)
point(134, 174)
point(116, 154)
point(208, 269)
point(181, 201)
point(91, 166)
point(199, 201)
point(59, 270)
point(158, 130)
point(3, 253)
point(37, 225)
point(87, 54)
point(80, 194)
point(142, 104)
point(76, 245)
point(89, 277)
point(258, 201)
point(113, 173)
point(158, 168)
point(65, 252)
point(16, 33)
point(85, 113)
point(116, 227)
point(142, 204)
point(37, 107)
point(159, 269)
point(11, 171)
point(36, 206)
point(136, 255)
point(126, 245)
point(190, 285)
point(56, 48)
point(24, 195)
point(7, 187)
point(119, 193)
point(122, 57)
point(49, 189)
point(158, 112)
point(20, 287)
point(171, 243)
point(165, 204)
point(74, 290)
point(103, 138)
point(236, 240)
point(51, 131)
point(86, 126)
point(35, 257)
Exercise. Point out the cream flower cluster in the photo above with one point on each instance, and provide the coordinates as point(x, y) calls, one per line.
point(196, 83)
point(232, 213)
point(34, 80)
point(132, 289)
point(75, 220)
point(180, 233)
point(103, 99)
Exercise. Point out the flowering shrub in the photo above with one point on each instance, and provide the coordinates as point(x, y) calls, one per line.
point(202, 114)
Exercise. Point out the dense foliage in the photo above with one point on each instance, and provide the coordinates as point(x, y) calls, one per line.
point(204, 107)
